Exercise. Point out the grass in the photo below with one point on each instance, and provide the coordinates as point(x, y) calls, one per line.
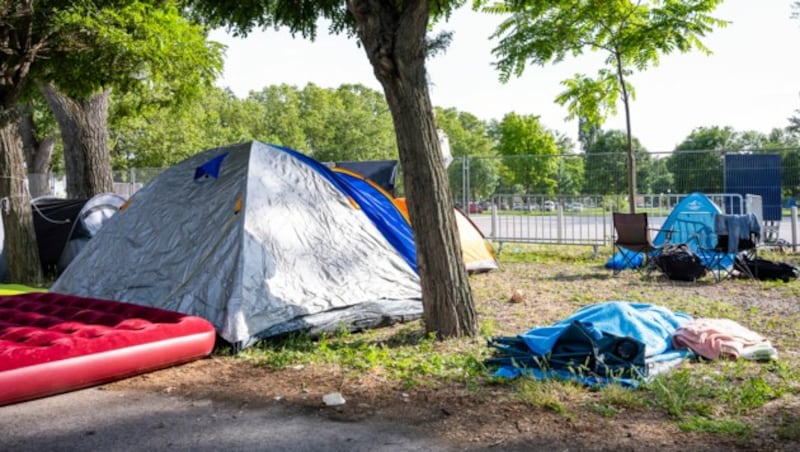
point(406, 357)
point(719, 397)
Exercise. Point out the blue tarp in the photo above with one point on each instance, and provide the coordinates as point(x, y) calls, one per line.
point(625, 260)
point(614, 341)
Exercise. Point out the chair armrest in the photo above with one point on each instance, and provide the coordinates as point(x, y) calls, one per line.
point(667, 233)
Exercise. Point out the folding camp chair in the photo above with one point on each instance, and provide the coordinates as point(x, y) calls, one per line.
point(633, 242)
point(737, 237)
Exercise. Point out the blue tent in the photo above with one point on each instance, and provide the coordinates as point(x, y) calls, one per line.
point(691, 222)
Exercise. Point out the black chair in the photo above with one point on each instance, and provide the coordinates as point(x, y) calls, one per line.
point(633, 235)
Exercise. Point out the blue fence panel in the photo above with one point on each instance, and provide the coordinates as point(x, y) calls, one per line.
point(757, 174)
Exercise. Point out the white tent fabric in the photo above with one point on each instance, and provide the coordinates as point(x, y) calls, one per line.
point(266, 247)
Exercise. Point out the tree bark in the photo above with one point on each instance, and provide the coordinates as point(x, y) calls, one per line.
point(21, 250)
point(393, 36)
point(629, 137)
point(37, 154)
point(84, 132)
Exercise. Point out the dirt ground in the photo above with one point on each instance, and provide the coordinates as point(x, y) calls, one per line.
point(491, 417)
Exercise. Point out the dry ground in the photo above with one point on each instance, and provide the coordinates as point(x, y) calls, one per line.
point(493, 416)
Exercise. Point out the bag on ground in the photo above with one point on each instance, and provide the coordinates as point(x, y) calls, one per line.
point(768, 270)
point(679, 263)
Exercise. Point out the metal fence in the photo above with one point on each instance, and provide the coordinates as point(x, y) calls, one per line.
point(568, 199)
point(126, 183)
point(581, 220)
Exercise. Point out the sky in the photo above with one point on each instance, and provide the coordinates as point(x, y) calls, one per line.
point(750, 82)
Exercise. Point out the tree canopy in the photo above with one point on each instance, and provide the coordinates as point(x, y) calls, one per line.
point(530, 153)
point(605, 163)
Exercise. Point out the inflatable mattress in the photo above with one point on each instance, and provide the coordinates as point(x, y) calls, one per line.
point(52, 343)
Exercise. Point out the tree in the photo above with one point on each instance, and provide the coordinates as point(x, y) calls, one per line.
point(530, 151)
point(605, 163)
point(632, 33)
point(696, 164)
point(351, 122)
point(142, 46)
point(21, 44)
point(570, 175)
point(282, 118)
point(38, 132)
point(663, 181)
point(787, 144)
point(469, 138)
point(66, 43)
point(84, 132)
point(159, 137)
point(393, 36)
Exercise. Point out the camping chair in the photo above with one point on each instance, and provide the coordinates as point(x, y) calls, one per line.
point(737, 237)
point(633, 238)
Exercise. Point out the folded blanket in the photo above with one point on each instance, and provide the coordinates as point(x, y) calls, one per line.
point(713, 338)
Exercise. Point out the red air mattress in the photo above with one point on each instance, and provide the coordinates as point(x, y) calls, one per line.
point(52, 343)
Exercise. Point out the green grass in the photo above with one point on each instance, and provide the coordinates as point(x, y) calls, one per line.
point(14, 289)
point(407, 357)
point(546, 254)
point(723, 427)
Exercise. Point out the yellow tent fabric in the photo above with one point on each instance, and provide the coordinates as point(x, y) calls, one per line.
point(478, 255)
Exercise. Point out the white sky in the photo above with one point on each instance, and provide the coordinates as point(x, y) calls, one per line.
point(750, 82)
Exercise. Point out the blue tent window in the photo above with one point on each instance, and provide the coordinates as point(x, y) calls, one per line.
point(210, 168)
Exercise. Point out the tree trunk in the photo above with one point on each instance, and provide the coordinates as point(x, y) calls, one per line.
point(84, 132)
point(393, 36)
point(21, 250)
point(37, 154)
point(629, 136)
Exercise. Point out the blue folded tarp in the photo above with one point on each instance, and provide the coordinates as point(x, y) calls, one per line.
point(615, 341)
point(625, 259)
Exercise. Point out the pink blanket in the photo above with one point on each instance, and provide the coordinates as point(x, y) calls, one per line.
point(712, 338)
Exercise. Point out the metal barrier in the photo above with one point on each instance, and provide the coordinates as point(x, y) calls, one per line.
point(578, 220)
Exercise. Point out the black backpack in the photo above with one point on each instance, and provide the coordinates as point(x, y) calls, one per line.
point(679, 263)
point(767, 270)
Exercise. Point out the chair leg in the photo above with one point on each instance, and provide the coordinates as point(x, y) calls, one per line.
point(741, 265)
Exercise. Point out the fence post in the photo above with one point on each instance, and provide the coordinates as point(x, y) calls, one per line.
point(794, 228)
point(493, 232)
point(559, 222)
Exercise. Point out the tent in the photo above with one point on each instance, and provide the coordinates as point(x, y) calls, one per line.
point(259, 240)
point(691, 221)
point(382, 172)
point(476, 251)
point(63, 227)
